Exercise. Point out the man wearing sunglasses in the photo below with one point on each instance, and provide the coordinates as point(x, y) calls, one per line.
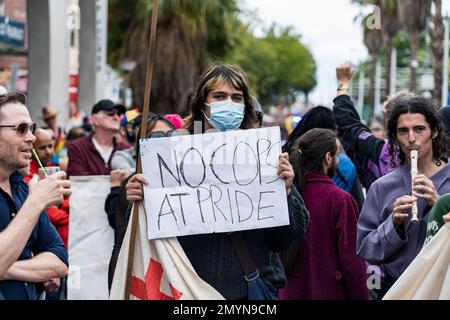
point(92, 155)
point(31, 250)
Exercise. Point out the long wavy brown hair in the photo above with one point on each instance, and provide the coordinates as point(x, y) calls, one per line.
point(213, 77)
point(422, 106)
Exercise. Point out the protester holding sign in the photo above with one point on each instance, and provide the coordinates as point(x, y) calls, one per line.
point(116, 205)
point(222, 101)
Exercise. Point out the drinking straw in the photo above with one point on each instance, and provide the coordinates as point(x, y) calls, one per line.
point(39, 161)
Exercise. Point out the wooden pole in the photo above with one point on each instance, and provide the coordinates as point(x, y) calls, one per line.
point(145, 111)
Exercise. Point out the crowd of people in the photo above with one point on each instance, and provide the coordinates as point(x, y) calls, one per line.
point(348, 186)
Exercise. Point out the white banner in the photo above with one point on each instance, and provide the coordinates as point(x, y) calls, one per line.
point(91, 239)
point(215, 182)
point(428, 275)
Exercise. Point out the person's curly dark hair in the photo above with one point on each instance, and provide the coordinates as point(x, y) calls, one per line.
point(425, 107)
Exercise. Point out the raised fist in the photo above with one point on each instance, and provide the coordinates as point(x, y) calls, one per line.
point(344, 72)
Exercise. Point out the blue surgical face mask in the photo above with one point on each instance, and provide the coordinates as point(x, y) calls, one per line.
point(225, 115)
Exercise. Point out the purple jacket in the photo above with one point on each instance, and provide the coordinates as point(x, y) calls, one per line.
point(369, 154)
point(378, 242)
point(328, 267)
point(85, 160)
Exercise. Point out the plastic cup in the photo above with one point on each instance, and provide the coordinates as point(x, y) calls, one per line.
point(48, 170)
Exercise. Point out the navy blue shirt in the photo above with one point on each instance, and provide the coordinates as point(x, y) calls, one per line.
point(44, 238)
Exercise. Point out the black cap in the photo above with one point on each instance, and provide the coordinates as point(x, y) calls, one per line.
point(105, 104)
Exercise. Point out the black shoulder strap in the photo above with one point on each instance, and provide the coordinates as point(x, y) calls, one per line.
point(242, 252)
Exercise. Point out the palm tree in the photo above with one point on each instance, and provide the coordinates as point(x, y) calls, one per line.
point(190, 34)
point(437, 36)
point(390, 26)
point(373, 40)
point(413, 15)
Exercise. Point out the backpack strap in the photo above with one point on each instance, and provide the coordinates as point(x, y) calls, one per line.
point(247, 263)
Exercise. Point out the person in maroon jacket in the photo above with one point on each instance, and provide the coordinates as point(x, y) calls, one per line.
point(323, 265)
point(92, 155)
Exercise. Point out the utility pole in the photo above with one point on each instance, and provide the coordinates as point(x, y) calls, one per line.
point(377, 107)
point(445, 68)
point(361, 93)
point(393, 72)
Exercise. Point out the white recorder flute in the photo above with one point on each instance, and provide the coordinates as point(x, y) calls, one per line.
point(414, 172)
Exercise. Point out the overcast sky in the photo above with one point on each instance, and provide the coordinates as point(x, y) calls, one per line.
point(328, 29)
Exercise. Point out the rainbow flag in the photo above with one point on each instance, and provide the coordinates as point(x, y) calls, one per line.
point(60, 141)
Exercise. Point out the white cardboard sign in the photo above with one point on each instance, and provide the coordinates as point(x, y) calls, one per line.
point(214, 182)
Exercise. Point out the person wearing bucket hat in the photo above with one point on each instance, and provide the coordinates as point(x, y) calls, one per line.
point(49, 115)
point(92, 155)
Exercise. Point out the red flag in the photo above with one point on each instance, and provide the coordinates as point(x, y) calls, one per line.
point(161, 270)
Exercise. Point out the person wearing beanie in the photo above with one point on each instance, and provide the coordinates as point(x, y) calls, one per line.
point(175, 119)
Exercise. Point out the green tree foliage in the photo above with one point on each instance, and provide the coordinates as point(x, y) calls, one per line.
point(278, 65)
point(194, 33)
point(190, 34)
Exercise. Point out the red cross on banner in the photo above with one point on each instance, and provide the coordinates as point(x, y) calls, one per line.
point(149, 289)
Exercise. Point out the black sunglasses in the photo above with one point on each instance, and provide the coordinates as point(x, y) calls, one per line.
point(162, 134)
point(22, 128)
point(111, 113)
